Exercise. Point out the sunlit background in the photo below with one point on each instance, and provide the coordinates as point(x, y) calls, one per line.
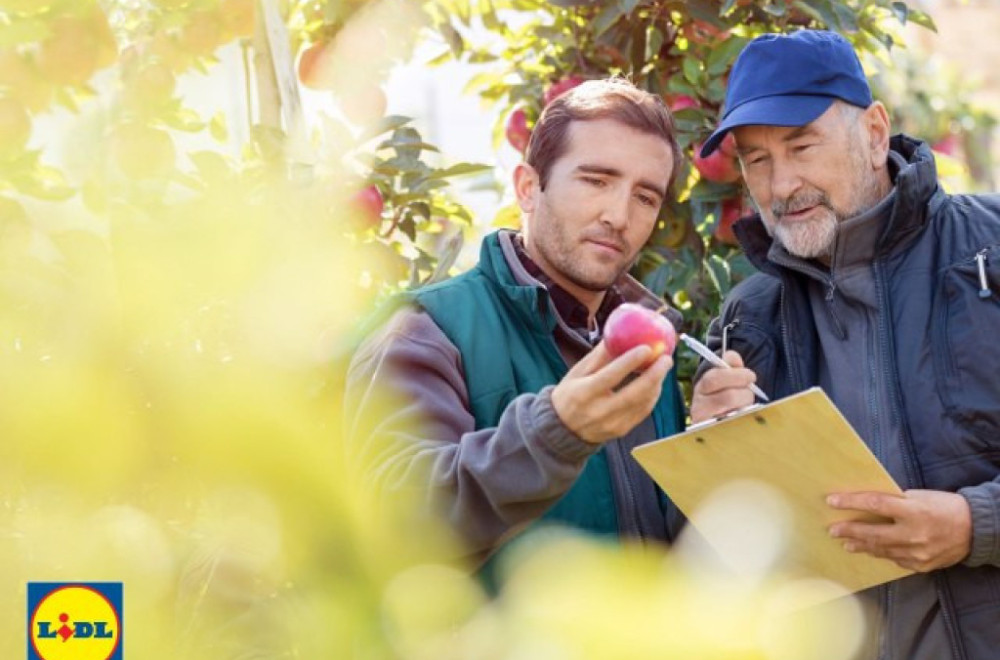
point(200, 200)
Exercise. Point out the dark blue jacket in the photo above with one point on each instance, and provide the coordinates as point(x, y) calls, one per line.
point(943, 348)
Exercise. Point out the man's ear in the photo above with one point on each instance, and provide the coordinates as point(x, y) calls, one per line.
point(526, 187)
point(878, 126)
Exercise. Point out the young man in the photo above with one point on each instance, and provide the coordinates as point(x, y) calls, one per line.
point(885, 291)
point(512, 410)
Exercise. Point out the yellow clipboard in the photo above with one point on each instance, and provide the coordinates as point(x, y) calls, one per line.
point(801, 446)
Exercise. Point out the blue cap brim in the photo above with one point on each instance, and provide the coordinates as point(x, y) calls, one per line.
point(796, 110)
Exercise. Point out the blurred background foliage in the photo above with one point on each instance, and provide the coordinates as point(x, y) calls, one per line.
point(174, 314)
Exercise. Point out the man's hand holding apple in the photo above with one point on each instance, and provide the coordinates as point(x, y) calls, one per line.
point(594, 400)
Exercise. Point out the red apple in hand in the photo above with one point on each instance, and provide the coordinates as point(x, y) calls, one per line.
point(631, 325)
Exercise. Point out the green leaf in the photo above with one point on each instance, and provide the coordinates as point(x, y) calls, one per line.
point(454, 39)
point(184, 119)
point(449, 255)
point(420, 209)
point(726, 6)
point(654, 42)
point(460, 169)
point(482, 80)
point(408, 227)
point(901, 11)
point(718, 273)
point(384, 125)
point(657, 280)
point(710, 192)
point(821, 11)
point(211, 165)
point(704, 10)
point(508, 217)
point(922, 19)
point(692, 70)
point(217, 127)
point(608, 17)
point(847, 21)
point(723, 55)
point(437, 60)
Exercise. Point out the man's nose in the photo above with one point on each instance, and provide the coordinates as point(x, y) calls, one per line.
point(615, 210)
point(785, 179)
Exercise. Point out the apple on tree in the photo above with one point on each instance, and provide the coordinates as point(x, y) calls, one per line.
point(683, 102)
point(517, 130)
point(559, 88)
point(732, 210)
point(315, 67)
point(631, 325)
point(367, 205)
point(717, 166)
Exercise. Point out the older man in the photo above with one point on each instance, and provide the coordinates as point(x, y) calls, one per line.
point(885, 291)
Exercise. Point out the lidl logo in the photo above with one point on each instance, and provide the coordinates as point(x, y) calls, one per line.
point(75, 621)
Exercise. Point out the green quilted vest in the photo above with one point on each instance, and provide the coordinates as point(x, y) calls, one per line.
point(503, 331)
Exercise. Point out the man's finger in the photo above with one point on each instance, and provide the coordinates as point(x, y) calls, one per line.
point(591, 362)
point(718, 379)
point(614, 372)
point(866, 534)
point(733, 359)
point(648, 383)
point(882, 504)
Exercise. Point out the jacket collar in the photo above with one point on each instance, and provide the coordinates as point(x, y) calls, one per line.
point(498, 260)
point(915, 185)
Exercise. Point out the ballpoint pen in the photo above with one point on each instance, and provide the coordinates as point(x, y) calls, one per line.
point(706, 353)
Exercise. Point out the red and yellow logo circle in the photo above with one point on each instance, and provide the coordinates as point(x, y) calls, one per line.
point(75, 622)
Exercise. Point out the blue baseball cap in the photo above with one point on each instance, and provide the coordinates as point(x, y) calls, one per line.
point(790, 80)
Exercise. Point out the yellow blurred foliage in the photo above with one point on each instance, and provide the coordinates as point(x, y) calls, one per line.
point(171, 371)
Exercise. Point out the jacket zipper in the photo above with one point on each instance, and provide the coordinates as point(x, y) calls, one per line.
point(786, 344)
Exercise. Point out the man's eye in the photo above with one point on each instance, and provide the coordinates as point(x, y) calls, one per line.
point(647, 200)
point(593, 181)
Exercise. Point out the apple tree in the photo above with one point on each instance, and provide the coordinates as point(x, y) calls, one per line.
point(528, 51)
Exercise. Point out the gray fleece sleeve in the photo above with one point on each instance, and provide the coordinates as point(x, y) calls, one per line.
point(984, 502)
point(488, 483)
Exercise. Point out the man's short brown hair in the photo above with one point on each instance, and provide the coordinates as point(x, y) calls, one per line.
point(612, 98)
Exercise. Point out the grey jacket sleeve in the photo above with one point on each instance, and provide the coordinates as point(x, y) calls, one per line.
point(488, 483)
point(984, 502)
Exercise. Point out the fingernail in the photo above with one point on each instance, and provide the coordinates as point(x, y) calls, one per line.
point(833, 500)
point(835, 532)
point(850, 547)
